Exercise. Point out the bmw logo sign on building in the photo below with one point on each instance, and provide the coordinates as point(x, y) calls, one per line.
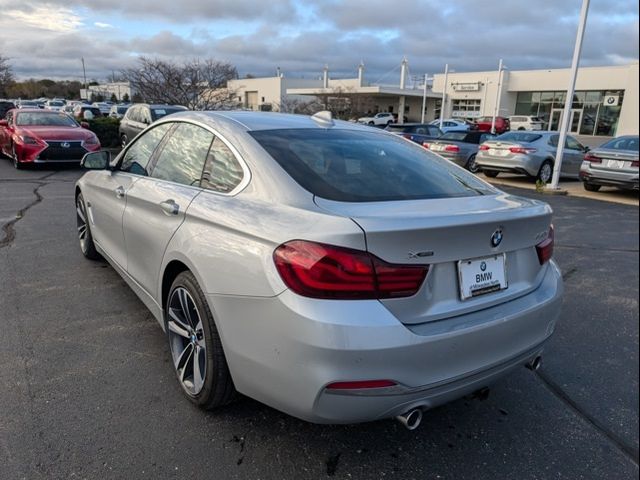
point(611, 100)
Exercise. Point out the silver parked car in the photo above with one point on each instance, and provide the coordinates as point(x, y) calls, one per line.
point(335, 272)
point(460, 147)
point(531, 154)
point(614, 164)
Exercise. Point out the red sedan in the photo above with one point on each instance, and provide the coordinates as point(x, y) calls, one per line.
point(33, 136)
point(502, 124)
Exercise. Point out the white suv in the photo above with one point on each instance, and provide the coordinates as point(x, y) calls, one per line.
point(382, 118)
point(525, 122)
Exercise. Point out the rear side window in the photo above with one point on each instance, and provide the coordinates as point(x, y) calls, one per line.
point(183, 155)
point(160, 112)
point(222, 171)
point(521, 137)
point(434, 131)
point(355, 166)
point(136, 158)
point(398, 128)
point(624, 143)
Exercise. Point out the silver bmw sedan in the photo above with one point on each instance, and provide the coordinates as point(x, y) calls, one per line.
point(332, 271)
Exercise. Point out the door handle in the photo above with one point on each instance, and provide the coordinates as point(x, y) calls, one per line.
point(170, 207)
point(119, 192)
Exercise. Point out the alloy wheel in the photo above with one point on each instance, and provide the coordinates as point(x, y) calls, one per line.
point(81, 221)
point(187, 341)
point(546, 172)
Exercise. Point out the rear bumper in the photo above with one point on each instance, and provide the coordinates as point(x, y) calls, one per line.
point(523, 164)
point(609, 177)
point(284, 350)
point(457, 158)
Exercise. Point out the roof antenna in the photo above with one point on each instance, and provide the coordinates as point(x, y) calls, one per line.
point(323, 119)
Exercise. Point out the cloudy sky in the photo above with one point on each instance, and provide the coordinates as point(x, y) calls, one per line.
point(48, 38)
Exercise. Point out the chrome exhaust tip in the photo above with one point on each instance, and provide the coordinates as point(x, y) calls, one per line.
point(411, 419)
point(534, 364)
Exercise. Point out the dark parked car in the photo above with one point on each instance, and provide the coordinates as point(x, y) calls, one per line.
point(460, 147)
point(416, 132)
point(5, 106)
point(502, 124)
point(140, 115)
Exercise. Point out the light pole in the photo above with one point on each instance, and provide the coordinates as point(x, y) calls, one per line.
point(424, 98)
point(444, 94)
point(496, 109)
point(566, 113)
point(84, 73)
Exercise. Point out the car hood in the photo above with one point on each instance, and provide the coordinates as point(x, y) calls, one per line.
point(55, 133)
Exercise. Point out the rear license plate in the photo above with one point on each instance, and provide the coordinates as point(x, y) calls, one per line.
point(480, 276)
point(437, 148)
point(615, 164)
point(498, 152)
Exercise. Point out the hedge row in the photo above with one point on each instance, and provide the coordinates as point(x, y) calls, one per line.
point(106, 129)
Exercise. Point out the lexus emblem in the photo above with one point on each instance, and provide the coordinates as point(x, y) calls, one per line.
point(65, 144)
point(496, 238)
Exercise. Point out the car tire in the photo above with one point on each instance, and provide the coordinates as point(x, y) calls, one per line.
point(371, 123)
point(87, 247)
point(123, 140)
point(545, 174)
point(471, 165)
point(490, 173)
point(590, 187)
point(521, 129)
point(195, 344)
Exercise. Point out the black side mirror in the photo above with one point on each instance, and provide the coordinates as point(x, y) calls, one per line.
point(586, 149)
point(96, 160)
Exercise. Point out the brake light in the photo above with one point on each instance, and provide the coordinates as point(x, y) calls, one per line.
point(318, 270)
point(545, 248)
point(484, 147)
point(451, 148)
point(522, 150)
point(426, 145)
point(361, 384)
point(590, 157)
point(635, 163)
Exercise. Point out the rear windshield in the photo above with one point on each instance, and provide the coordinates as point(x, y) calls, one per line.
point(521, 137)
point(456, 136)
point(354, 166)
point(624, 143)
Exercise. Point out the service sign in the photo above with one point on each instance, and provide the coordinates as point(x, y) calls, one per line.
point(466, 87)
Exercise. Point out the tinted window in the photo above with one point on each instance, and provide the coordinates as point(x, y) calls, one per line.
point(160, 112)
point(456, 136)
point(434, 131)
point(553, 140)
point(395, 128)
point(355, 166)
point(573, 144)
point(624, 143)
point(137, 156)
point(521, 137)
point(484, 137)
point(222, 171)
point(183, 155)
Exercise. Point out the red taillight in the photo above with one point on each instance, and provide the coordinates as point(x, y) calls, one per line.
point(635, 163)
point(522, 150)
point(425, 145)
point(484, 147)
point(317, 270)
point(361, 384)
point(545, 248)
point(451, 148)
point(590, 157)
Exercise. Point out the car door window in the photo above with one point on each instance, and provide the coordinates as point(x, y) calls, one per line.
point(573, 144)
point(222, 172)
point(183, 155)
point(553, 140)
point(136, 158)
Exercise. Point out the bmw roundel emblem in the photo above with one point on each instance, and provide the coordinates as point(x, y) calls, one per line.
point(483, 266)
point(496, 238)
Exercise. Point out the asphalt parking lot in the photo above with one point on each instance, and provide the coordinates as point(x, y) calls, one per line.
point(89, 392)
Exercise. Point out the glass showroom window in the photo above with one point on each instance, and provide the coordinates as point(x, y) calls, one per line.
point(466, 108)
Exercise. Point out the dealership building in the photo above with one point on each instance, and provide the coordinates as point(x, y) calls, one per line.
point(605, 102)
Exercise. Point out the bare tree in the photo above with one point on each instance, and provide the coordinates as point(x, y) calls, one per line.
point(292, 105)
point(196, 84)
point(6, 75)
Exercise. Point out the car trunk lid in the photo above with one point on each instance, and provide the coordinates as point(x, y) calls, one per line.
point(443, 232)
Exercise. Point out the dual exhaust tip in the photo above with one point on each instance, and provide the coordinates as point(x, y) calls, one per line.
point(412, 418)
